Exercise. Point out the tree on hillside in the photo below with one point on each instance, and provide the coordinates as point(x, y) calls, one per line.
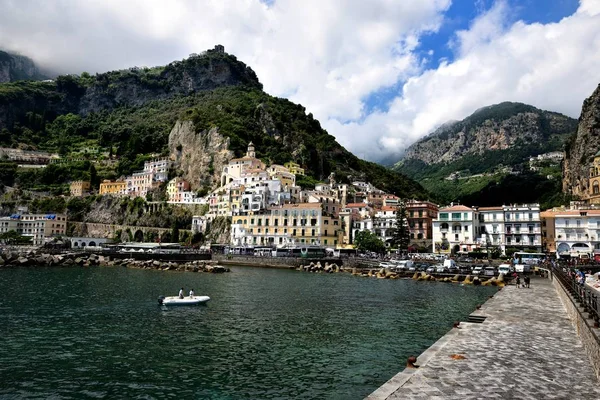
point(400, 235)
point(94, 180)
point(368, 241)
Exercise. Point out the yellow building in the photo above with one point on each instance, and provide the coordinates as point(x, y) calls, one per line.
point(593, 194)
point(294, 168)
point(548, 228)
point(79, 188)
point(175, 187)
point(286, 224)
point(281, 173)
point(115, 188)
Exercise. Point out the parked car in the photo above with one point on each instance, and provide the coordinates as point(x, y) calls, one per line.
point(489, 271)
point(430, 270)
point(505, 269)
point(439, 268)
point(477, 270)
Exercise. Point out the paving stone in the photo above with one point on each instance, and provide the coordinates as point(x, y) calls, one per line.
point(527, 348)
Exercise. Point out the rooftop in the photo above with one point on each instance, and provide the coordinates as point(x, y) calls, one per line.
point(457, 208)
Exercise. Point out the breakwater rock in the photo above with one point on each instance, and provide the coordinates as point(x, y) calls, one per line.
point(318, 267)
point(40, 259)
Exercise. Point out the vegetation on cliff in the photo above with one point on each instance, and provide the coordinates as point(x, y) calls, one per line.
point(130, 113)
point(483, 160)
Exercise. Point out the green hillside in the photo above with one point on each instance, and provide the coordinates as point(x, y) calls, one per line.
point(458, 161)
point(129, 114)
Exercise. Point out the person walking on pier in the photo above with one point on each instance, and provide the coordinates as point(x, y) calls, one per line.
point(527, 279)
point(518, 281)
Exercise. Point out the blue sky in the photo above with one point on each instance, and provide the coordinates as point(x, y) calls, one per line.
point(378, 74)
point(459, 16)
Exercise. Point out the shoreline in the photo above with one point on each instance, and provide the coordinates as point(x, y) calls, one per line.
point(389, 387)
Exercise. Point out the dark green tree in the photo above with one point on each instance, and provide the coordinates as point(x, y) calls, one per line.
point(368, 241)
point(94, 180)
point(400, 234)
point(175, 233)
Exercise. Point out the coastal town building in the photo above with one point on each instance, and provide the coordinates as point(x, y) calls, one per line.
point(455, 229)
point(139, 183)
point(522, 227)
point(420, 216)
point(491, 221)
point(177, 189)
point(115, 188)
point(41, 228)
point(463, 229)
point(294, 168)
point(237, 166)
point(548, 219)
point(158, 168)
point(593, 189)
point(577, 232)
point(286, 224)
point(79, 188)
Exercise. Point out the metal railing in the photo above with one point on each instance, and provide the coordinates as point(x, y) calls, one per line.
point(584, 295)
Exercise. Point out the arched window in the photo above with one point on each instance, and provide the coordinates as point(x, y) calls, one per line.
point(595, 188)
point(444, 226)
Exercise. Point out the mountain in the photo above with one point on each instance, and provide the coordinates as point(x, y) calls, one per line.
point(582, 146)
point(483, 159)
point(216, 98)
point(14, 67)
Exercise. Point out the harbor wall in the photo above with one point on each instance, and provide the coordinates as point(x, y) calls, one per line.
point(589, 335)
point(272, 262)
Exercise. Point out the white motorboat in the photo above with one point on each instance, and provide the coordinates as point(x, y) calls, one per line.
point(186, 301)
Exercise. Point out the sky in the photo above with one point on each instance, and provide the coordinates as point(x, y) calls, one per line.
point(378, 74)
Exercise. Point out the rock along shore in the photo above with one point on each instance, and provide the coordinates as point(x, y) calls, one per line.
point(41, 259)
point(383, 273)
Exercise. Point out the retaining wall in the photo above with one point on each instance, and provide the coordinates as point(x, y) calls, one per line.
point(272, 262)
point(589, 335)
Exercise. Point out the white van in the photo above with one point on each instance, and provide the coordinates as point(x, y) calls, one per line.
point(521, 268)
point(449, 264)
point(505, 269)
point(404, 264)
point(477, 270)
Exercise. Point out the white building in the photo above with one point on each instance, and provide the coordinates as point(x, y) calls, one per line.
point(577, 232)
point(456, 229)
point(523, 227)
point(159, 169)
point(491, 220)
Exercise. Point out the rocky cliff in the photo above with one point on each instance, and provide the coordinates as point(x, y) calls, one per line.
point(134, 87)
point(484, 159)
point(581, 148)
point(14, 67)
point(201, 156)
point(497, 127)
point(140, 111)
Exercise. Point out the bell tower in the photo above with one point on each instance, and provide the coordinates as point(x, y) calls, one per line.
point(251, 152)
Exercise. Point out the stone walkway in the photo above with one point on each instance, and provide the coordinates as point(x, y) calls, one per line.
point(527, 348)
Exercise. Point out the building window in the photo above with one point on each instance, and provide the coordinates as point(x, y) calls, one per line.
point(456, 216)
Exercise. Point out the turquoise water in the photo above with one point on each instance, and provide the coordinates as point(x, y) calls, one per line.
point(266, 334)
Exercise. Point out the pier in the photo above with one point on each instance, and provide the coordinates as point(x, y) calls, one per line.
point(521, 345)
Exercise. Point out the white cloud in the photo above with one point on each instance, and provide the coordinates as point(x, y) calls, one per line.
point(330, 55)
point(552, 66)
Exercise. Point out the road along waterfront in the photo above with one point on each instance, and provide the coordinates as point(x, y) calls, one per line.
point(526, 348)
point(266, 333)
